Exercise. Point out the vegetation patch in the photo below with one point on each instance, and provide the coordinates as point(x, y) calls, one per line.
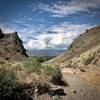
point(19, 79)
point(7, 82)
point(35, 66)
point(88, 60)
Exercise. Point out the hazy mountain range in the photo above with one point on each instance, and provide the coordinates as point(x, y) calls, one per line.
point(45, 52)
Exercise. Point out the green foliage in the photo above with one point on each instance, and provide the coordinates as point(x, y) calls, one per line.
point(69, 48)
point(42, 59)
point(52, 71)
point(10, 89)
point(36, 67)
point(9, 86)
point(7, 82)
point(2, 62)
point(33, 66)
point(88, 60)
point(71, 62)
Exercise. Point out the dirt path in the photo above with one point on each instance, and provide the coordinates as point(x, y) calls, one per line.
point(80, 85)
point(79, 88)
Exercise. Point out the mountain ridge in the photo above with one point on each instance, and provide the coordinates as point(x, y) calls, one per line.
point(11, 46)
point(50, 52)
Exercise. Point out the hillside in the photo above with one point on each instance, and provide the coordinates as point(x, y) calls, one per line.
point(80, 66)
point(81, 44)
point(11, 47)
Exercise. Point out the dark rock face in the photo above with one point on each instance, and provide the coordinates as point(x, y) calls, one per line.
point(59, 92)
point(11, 47)
point(1, 34)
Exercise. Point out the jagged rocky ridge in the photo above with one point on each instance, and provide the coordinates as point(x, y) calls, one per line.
point(11, 47)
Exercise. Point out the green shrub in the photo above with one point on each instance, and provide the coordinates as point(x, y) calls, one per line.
point(52, 71)
point(88, 60)
point(42, 59)
point(33, 66)
point(7, 82)
point(9, 88)
point(2, 62)
point(37, 67)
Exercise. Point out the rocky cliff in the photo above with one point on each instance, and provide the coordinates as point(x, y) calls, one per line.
point(11, 47)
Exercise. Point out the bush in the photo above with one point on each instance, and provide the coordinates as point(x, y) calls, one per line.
point(51, 71)
point(7, 82)
point(42, 59)
point(88, 60)
point(10, 89)
point(2, 62)
point(33, 66)
point(37, 67)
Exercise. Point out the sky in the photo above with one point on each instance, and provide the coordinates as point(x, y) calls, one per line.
point(48, 24)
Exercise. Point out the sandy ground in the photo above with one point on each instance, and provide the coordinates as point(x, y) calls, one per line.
point(81, 85)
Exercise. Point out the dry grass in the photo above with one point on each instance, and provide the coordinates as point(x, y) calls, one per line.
point(30, 71)
point(92, 76)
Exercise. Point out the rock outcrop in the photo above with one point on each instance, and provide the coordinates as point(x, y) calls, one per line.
point(11, 47)
point(1, 34)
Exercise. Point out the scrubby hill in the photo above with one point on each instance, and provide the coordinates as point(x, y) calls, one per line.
point(11, 47)
point(80, 66)
point(90, 57)
point(81, 44)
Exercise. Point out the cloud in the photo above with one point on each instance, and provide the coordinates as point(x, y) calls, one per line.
point(65, 8)
point(6, 29)
point(25, 31)
point(36, 44)
point(56, 15)
point(61, 37)
point(54, 37)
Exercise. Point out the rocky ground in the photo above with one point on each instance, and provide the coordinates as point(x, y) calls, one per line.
point(81, 85)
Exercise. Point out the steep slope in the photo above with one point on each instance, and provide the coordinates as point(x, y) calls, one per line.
point(91, 57)
point(11, 47)
point(80, 66)
point(81, 44)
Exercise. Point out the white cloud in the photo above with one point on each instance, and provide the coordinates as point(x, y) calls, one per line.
point(56, 15)
point(6, 29)
point(71, 7)
point(55, 37)
point(36, 44)
point(62, 35)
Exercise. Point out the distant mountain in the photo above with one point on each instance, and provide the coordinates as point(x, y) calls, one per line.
point(11, 47)
point(82, 44)
point(48, 52)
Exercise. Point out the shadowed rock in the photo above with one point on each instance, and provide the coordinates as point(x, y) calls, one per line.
point(1, 34)
point(57, 91)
